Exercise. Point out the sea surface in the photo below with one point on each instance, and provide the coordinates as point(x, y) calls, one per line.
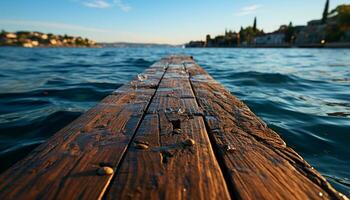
point(303, 94)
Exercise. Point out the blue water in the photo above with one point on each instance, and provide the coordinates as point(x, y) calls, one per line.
point(303, 94)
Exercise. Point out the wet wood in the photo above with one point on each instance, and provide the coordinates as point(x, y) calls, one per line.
point(171, 133)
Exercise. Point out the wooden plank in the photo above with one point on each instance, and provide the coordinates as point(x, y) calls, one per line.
point(255, 160)
point(65, 167)
point(170, 169)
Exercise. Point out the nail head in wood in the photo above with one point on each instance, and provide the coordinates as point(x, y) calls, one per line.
point(103, 171)
point(189, 142)
point(141, 146)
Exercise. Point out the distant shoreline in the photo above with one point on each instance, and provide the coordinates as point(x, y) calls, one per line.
point(306, 46)
point(29, 39)
point(52, 47)
point(330, 46)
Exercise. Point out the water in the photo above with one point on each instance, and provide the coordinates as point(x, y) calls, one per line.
point(303, 94)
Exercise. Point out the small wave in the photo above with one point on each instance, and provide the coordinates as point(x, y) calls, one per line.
point(80, 94)
point(10, 156)
point(300, 56)
point(339, 114)
point(342, 181)
point(70, 65)
point(341, 80)
point(338, 65)
point(27, 102)
point(101, 85)
point(139, 61)
point(71, 94)
point(261, 78)
point(56, 82)
point(108, 54)
point(33, 59)
point(41, 127)
point(344, 104)
point(79, 54)
point(32, 133)
point(21, 146)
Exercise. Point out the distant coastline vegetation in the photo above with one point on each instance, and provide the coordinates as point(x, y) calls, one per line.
point(137, 45)
point(332, 30)
point(37, 39)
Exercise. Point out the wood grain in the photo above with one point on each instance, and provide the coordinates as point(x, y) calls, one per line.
point(170, 169)
point(255, 160)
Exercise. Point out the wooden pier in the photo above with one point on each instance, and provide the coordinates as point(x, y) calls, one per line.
point(171, 133)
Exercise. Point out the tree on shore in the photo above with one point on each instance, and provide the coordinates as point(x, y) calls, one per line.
point(337, 32)
point(254, 25)
point(289, 33)
point(241, 35)
point(325, 12)
point(342, 15)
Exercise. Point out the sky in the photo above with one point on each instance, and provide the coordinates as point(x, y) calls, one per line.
point(154, 21)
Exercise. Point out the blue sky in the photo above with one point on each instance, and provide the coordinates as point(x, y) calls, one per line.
point(159, 21)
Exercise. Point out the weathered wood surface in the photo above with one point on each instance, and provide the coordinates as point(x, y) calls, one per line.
point(172, 133)
point(172, 167)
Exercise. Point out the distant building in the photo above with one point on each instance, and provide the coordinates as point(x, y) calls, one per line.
point(35, 43)
point(299, 28)
point(27, 45)
point(208, 41)
point(230, 39)
point(44, 37)
point(347, 36)
point(313, 33)
point(11, 36)
point(53, 42)
point(195, 44)
point(26, 42)
point(36, 34)
point(219, 41)
point(270, 39)
point(316, 22)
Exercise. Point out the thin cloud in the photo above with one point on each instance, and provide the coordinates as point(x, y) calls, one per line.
point(248, 10)
point(124, 7)
point(106, 4)
point(51, 25)
point(97, 4)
